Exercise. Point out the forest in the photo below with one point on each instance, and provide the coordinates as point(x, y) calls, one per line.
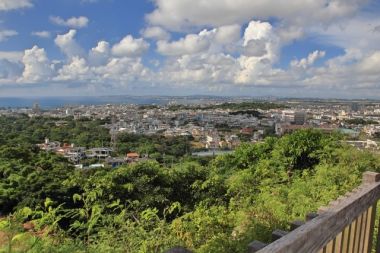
point(219, 205)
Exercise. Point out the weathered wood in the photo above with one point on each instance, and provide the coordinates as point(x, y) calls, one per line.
point(277, 234)
point(370, 177)
point(346, 236)
point(357, 233)
point(338, 243)
point(362, 231)
point(255, 246)
point(351, 239)
point(330, 247)
point(318, 232)
point(371, 224)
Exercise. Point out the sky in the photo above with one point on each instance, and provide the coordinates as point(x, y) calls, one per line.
point(284, 48)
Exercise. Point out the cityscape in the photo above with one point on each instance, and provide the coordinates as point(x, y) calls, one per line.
point(189, 126)
point(213, 126)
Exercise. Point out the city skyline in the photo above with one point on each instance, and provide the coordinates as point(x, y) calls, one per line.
point(168, 47)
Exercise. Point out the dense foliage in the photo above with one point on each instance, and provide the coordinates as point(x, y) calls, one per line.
point(24, 130)
point(360, 121)
point(220, 206)
point(164, 149)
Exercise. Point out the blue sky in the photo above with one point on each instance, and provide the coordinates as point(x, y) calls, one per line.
point(320, 48)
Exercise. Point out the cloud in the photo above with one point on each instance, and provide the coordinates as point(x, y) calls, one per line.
point(68, 45)
point(210, 68)
point(99, 55)
point(120, 71)
point(6, 5)
point(73, 22)
point(261, 49)
point(199, 13)
point(42, 34)
point(5, 34)
point(190, 44)
point(130, 47)
point(155, 32)
point(370, 65)
point(309, 61)
point(9, 70)
point(76, 70)
point(13, 56)
point(214, 40)
point(227, 34)
point(37, 66)
point(357, 32)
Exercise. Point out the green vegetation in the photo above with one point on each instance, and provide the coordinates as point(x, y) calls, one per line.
point(161, 148)
point(217, 206)
point(360, 121)
point(25, 130)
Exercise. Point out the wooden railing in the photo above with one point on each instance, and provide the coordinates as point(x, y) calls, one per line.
point(345, 225)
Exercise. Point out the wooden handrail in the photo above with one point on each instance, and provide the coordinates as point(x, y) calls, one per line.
point(345, 224)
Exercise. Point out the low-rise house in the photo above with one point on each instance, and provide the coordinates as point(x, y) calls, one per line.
point(132, 157)
point(115, 162)
point(99, 153)
point(49, 145)
point(75, 154)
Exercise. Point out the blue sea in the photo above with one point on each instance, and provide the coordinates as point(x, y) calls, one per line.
point(54, 102)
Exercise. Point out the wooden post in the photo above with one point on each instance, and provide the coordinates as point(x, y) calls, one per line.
point(370, 177)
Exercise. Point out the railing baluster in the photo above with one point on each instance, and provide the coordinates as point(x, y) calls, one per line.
point(370, 227)
point(330, 247)
point(352, 237)
point(363, 231)
point(357, 234)
point(345, 240)
point(338, 243)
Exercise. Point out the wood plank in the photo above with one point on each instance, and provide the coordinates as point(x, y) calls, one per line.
point(357, 233)
point(345, 239)
point(363, 231)
point(338, 243)
point(370, 228)
point(330, 247)
point(351, 239)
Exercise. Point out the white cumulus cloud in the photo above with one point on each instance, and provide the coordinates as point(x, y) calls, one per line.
point(155, 32)
point(73, 22)
point(6, 5)
point(177, 15)
point(37, 66)
point(130, 47)
point(309, 61)
point(68, 45)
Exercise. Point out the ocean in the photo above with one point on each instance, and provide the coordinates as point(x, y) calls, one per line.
point(54, 102)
